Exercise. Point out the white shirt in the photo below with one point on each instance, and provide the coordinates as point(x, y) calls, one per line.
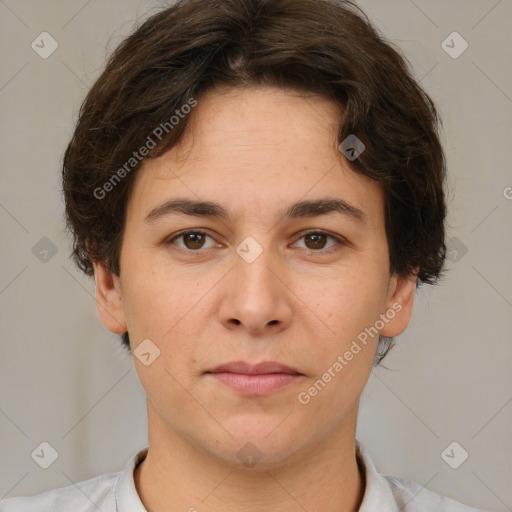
point(116, 492)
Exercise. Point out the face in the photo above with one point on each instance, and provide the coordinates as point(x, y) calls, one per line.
point(258, 283)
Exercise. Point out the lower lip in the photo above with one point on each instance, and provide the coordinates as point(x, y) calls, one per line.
point(256, 385)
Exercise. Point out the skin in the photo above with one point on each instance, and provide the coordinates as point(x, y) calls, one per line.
point(255, 151)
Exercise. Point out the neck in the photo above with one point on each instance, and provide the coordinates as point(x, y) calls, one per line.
point(178, 476)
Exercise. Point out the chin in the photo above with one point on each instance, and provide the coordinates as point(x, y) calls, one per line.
point(259, 446)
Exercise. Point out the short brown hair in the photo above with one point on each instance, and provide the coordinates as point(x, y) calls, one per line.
point(325, 47)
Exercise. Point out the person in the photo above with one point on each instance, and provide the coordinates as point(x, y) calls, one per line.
point(257, 188)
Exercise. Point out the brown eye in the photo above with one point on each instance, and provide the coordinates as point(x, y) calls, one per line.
point(192, 241)
point(315, 241)
point(318, 241)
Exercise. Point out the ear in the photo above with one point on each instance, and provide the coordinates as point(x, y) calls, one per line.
point(109, 299)
point(399, 304)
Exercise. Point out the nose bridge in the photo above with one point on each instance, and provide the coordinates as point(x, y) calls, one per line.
point(253, 267)
point(257, 297)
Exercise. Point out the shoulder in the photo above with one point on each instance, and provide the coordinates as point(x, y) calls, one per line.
point(87, 496)
point(413, 497)
point(393, 494)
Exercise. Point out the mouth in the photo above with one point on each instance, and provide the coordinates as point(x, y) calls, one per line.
point(254, 380)
point(263, 368)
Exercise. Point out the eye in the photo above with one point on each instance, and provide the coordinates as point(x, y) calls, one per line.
point(316, 240)
point(193, 240)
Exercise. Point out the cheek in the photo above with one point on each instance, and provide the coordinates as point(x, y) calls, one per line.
point(347, 305)
point(158, 311)
point(152, 304)
point(345, 355)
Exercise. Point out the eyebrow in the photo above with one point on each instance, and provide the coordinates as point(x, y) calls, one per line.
point(312, 208)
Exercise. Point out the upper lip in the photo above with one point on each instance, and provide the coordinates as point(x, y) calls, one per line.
point(253, 369)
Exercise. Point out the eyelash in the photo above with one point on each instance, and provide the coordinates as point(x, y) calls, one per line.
point(340, 242)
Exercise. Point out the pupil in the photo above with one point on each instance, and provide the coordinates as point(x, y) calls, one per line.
point(192, 236)
point(316, 236)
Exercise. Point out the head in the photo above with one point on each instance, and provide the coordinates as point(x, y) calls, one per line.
point(298, 246)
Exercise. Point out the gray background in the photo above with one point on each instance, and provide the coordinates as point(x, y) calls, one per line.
point(64, 378)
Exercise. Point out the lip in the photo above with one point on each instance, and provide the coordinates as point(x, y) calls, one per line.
point(254, 380)
point(262, 368)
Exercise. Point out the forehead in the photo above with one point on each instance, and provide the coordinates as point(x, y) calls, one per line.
point(256, 151)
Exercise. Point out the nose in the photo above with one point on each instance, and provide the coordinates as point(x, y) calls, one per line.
point(256, 296)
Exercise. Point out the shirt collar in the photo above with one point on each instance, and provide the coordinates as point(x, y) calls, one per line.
point(377, 495)
point(127, 498)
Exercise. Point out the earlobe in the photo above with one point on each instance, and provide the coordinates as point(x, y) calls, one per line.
point(399, 305)
point(109, 299)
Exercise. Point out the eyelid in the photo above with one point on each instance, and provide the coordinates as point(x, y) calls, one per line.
point(170, 240)
point(341, 241)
